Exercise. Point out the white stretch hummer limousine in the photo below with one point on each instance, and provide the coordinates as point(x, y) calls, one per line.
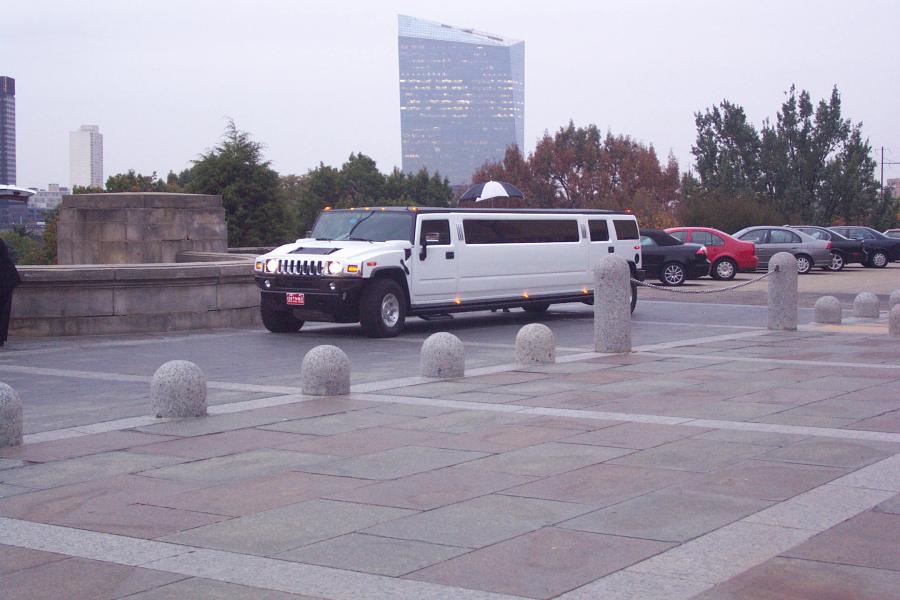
point(377, 266)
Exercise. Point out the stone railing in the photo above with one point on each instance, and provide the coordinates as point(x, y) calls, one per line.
point(109, 299)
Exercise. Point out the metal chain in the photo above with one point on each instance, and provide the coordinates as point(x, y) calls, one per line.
point(676, 290)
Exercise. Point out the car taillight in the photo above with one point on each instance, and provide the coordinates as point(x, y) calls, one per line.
point(828, 245)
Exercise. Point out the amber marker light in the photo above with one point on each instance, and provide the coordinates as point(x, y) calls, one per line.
point(327, 208)
point(525, 295)
point(584, 291)
point(352, 268)
point(457, 301)
point(259, 265)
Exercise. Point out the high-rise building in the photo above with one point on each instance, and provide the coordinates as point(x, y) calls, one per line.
point(7, 131)
point(462, 97)
point(86, 157)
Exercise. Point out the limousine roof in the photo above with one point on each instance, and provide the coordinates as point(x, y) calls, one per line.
point(440, 209)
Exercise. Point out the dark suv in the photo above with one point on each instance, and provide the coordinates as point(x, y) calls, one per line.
point(843, 250)
point(880, 249)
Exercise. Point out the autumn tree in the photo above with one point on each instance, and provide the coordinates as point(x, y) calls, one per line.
point(135, 182)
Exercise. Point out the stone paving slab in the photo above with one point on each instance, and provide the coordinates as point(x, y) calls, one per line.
point(640, 476)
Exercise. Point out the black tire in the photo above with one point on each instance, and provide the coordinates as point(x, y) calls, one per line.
point(279, 321)
point(633, 295)
point(838, 262)
point(804, 264)
point(536, 308)
point(672, 273)
point(878, 259)
point(382, 309)
point(724, 269)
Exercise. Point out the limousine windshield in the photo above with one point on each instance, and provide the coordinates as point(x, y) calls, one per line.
point(364, 225)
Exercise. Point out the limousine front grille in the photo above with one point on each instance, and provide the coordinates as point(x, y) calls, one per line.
point(300, 267)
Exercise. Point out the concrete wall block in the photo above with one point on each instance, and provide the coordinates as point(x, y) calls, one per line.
point(63, 301)
point(164, 299)
point(168, 200)
point(63, 252)
point(105, 215)
point(160, 274)
point(163, 216)
point(114, 253)
point(175, 230)
point(207, 231)
point(237, 295)
point(86, 252)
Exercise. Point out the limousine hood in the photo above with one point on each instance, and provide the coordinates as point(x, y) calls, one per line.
point(345, 250)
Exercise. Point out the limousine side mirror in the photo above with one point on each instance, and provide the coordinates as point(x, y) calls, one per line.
point(428, 239)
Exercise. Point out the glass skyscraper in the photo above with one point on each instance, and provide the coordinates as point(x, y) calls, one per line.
point(462, 97)
point(7, 131)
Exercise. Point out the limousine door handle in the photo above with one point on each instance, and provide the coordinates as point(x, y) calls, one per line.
point(450, 255)
point(611, 250)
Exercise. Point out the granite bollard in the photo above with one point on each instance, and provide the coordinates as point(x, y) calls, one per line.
point(443, 356)
point(10, 417)
point(783, 292)
point(612, 305)
point(828, 310)
point(866, 305)
point(178, 389)
point(535, 345)
point(325, 371)
point(894, 321)
point(894, 299)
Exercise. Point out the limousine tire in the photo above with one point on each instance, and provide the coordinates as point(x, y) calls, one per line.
point(536, 308)
point(279, 321)
point(382, 309)
point(633, 296)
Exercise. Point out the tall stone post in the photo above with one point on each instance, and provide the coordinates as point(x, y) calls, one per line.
point(612, 305)
point(783, 292)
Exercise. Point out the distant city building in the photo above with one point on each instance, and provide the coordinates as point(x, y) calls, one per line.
point(7, 131)
point(462, 97)
point(894, 184)
point(86, 157)
point(48, 199)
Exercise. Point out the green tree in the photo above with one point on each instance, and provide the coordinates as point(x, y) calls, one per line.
point(20, 245)
point(134, 182)
point(254, 210)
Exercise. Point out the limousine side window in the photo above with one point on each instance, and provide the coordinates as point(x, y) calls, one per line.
point(436, 232)
point(520, 231)
point(599, 230)
point(626, 230)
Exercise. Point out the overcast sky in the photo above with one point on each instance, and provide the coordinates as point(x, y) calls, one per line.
point(316, 80)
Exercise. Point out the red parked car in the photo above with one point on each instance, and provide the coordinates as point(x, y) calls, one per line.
point(727, 254)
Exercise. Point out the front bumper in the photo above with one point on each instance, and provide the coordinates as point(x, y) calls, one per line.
point(321, 302)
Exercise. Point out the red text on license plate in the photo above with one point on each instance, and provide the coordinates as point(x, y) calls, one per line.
point(297, 299)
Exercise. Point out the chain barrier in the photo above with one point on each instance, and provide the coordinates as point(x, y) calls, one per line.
point(676, 290)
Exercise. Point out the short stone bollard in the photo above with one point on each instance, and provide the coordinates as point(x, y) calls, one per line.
point(612, 305)
point(178, 389)
point(325, 371)
point(443, 356)
point(10, 417)
point(783, 292)
point(894, 321)
point(894, 299)
point(866, 305)
point(535, 345)
point(828, 310)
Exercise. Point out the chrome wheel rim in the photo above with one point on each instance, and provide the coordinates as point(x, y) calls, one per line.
point(802, 264)
point(837, 261)
point(725, 269)
point(390, 310)
point(673, 274)
point(879, 259)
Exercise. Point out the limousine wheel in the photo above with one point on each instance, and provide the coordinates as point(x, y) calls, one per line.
point(279, 321)
point(633, 295)
point(536, 308)
point(382, 309)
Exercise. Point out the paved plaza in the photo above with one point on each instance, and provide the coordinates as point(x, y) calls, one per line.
point(718, 461)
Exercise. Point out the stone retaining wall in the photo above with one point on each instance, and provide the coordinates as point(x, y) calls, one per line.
point(108, 299)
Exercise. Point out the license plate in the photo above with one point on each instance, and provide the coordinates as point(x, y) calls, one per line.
point(296, 299)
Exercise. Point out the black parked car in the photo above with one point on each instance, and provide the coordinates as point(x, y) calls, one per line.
point(880, 248)
point(843, 250)
point(670, 259)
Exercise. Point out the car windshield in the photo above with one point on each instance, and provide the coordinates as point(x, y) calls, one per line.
point(363, 225)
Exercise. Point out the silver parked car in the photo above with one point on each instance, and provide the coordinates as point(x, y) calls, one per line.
point(770, 240)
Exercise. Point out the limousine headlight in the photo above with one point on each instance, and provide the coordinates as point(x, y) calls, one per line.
point(271, 265)
point(334, 267)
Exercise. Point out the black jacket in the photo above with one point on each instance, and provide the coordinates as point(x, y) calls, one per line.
point(9, 276)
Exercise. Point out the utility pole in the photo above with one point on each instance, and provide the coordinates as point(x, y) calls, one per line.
point(882, 171)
